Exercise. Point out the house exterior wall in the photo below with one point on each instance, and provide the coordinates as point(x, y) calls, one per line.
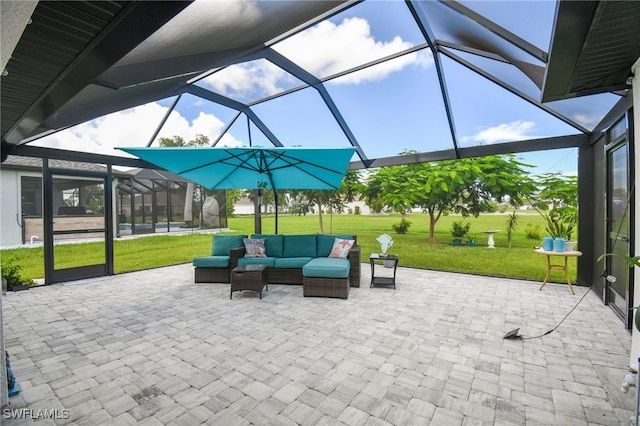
point(10, 230)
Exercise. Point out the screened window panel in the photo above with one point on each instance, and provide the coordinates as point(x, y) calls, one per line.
point(403, 110)
point(530, 20)
point(586, 110)
point(130, 127)
point(486, 114)
point(450, 26)
point(250, 81)
point(309, 121)
point(502, 71)
point(363, 33)
point(563, 161)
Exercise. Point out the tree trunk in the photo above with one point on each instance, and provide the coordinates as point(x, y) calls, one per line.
point(432, 227)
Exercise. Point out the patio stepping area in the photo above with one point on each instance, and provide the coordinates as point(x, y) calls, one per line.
point(153, 348)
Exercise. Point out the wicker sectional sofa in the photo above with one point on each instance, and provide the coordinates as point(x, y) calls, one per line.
point(291, 259)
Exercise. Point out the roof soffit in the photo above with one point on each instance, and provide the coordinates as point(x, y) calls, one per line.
point(65, 48)
point(593, 47)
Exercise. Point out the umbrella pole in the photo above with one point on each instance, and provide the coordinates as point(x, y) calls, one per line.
point(275, 196)
point(257, 221)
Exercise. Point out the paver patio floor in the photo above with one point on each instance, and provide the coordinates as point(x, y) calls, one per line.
point(153, 348)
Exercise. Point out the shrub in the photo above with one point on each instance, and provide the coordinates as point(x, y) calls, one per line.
point(460, 228)
point(533, 232)
point(356, 210)
point(402, 227)
point(11, 272)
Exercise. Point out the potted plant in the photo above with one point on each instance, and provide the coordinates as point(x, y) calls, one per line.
point(471, 240)
point(561, 225)
point(459, 229)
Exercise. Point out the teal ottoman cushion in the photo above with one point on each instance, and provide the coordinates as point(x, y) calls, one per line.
point(272, 244)
point(223, 243)
point(325, 267)
point(211, 262)
point(292, 262)
point(325, 243)
point(299, 246)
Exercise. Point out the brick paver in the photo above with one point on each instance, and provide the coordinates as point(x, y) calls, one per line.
point(153, 348)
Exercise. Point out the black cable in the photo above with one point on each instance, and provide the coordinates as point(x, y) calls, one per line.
point(513, 334)
point(562, 320)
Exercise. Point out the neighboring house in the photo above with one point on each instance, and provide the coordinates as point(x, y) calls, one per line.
point(362, 207)
point(245, 206)
point(156, 198)
point(22, 208)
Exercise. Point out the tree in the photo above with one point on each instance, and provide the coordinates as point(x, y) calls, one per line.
point(200, 140)
point(557, 202)
point(372, 191)
point(467, 186)
point(557, 192)
point(233, 196)
point(334, 199)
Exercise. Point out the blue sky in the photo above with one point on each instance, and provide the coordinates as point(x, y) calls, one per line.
point(390, 107)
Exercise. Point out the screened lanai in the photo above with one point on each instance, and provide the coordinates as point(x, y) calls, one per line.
point(152, 201)
point(384, 76)
point(440, 79)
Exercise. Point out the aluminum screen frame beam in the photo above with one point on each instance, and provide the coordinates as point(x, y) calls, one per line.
point(542, 144)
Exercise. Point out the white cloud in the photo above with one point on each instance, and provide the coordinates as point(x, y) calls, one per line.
point(586, 120)
point(133, 127)
point(506, 132)
point(327, 48)
point(249, 81)
point(322, 50)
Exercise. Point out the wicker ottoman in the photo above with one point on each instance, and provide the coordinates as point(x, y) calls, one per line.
point(325, 287)
point(249, 277)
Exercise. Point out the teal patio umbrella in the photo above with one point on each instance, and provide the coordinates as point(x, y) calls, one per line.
point(277, 168)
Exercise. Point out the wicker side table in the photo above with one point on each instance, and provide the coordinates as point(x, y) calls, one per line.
point(249, 277)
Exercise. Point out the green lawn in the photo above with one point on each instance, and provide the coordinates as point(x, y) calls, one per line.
point(413, 248)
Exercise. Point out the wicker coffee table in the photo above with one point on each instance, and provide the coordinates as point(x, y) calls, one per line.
point(249, 277)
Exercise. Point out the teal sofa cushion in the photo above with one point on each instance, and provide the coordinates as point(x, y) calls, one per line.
point(269, 261)
point(325, 243)
point(223, 243)
point(211, 262)
point(292, 262)
point(273, 244)
point(299, 246)
point(327, 267)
